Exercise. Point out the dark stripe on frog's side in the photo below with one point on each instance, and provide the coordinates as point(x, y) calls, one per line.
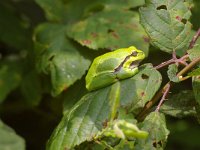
point(127, 57)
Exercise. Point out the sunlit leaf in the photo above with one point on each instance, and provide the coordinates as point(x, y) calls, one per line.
point(155, 125)
point(71, 10)
point(91, 114)
point(167, 23)
point(110, 29)
point(147, 82)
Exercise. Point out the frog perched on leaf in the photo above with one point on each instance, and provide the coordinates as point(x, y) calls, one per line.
point(113, 66)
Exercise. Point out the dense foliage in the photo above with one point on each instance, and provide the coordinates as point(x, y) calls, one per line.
point(47, 47)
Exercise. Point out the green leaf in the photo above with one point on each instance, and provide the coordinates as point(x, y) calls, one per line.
point(31, 88)
point(110, 29)
point(180, 105)
point(194, 53)
point(155, 124)
point(195, 72)
point(82, 122)
point(93, 111)
point(9, 140)
point(12, 27)
point(167, 23)
point(114, 99)
point(125, 145)
point(172, 71)
point(10, 76)
point(123, 4)
point(57, 56)
point(71, 11)
point(147, 82)
point(196, 88)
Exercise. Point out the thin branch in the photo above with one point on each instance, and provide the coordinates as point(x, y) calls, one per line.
point(183, 78)
point(146, 108)
point(194, 39)
point(149, 104)
point(189, 67)
point(163, 97)
point(167, 86)
point(181, 60)
point(163, 64)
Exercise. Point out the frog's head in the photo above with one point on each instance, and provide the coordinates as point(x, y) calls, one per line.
point(135, 57)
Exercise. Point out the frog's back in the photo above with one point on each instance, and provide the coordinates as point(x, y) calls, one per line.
point(110, 60)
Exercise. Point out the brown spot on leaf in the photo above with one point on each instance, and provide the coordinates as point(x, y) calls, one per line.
point(113, 33)
point(86, 42)
point(146, 39)
point(94, 35)
point(178, 18)
point(158, 80)
point(183, 20)
point(142, 94)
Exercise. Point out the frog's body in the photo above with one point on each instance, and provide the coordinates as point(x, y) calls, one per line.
point(113, 66)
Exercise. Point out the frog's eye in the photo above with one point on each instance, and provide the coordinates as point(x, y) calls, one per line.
point(134, 53)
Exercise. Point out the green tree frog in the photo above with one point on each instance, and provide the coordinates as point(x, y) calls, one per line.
point(113, 66)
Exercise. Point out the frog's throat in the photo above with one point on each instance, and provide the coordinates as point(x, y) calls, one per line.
point(132, 65)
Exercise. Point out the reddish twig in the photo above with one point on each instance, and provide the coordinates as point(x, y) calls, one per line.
point(148, 105)
point(163, 64)
point(163, 97)
point(165, 90)
point(176, 60)
point(182, 59)
point(194, 39)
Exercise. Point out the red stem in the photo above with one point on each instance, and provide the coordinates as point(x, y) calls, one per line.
point(163, 97)
point(194, 39)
